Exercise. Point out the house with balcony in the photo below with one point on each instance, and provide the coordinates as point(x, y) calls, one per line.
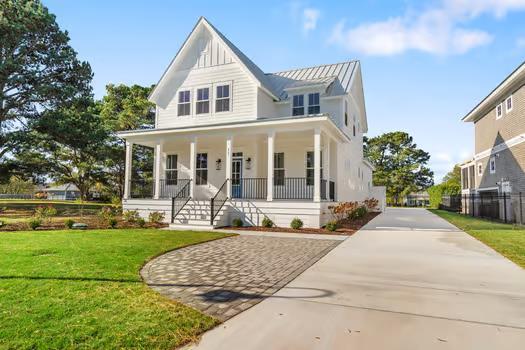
point(231, 141)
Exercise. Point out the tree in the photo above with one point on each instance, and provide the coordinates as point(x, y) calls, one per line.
point(69, 145)
point(39, 71)
point(400, 165)
point(450, 186)
point(125, 108)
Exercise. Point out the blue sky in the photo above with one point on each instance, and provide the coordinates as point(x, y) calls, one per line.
point(425, 64)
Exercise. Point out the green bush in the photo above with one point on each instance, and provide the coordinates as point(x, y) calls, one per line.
point(237, 222)
point(296, 224)
point(267, 222)
point(358, 213)
point(69, 223)
point(131, 216)
point(331, 226)
point(156, 217)
point(141, 222)
point(112, 222)
point(34, 223)
point(45, 212)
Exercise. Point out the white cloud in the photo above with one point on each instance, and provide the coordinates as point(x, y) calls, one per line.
point(310, 17)
point(440, 30)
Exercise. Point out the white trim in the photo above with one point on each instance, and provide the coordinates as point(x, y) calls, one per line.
point(507, 109)
point(178, 101)
point(500, 147)
point(481, 189)
point(196, 100)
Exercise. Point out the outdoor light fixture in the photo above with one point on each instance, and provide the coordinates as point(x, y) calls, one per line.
point(218, 164)
point(248, 163)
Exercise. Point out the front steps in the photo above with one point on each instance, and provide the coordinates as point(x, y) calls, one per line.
point(195, 215)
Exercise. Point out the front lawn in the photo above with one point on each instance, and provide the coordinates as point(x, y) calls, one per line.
point(82, 289)
point(507, 239)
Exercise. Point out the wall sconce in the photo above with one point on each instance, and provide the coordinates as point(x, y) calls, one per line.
point(248, 163)
point(218, 164)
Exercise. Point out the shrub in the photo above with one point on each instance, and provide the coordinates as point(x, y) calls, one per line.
point(107, 213)
point(34, 223)
point(45, 212)
point(1, 223)
point(69, 223)
point(156, 217)
point(331, 226)
point(112, 222)
point(342, 210)
point(141, 222)
point(358, 213)
point(267, 222)
point(237, 222)
point(371, 204)
point(131, 216)
point(296, 224)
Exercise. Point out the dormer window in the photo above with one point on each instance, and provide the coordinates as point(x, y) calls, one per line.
point(203, 101)
point(298, 105)
point(184, 105)
point(499, 111)
point(222, 99)
point(313, 103)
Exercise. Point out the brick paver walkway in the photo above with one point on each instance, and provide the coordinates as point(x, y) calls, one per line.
point(227, 276)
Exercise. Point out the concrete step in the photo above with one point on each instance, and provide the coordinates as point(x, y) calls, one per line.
point(191, 227)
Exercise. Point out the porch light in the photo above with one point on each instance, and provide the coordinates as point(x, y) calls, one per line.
point(218, 164)
point(248, 163)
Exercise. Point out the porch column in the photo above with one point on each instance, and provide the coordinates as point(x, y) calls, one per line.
point(158, 162)
point(269, 181)
point(326, 167)
point(127, 169)
point(229, 150)
point(317, 165)
point(193, 161)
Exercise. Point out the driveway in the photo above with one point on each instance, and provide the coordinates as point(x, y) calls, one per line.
point(408, 280)
point(227, 276)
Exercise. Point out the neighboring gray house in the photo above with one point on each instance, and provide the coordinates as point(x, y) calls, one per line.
point(499, 158)
point(63, 192)
point(417, 199)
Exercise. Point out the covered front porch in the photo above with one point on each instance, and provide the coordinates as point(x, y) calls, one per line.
point(293, 162)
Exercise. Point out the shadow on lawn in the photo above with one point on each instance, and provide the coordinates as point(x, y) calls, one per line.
point(78, 279)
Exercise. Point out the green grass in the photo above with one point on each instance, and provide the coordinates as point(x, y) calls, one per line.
point(507, 239)
point(82, 289)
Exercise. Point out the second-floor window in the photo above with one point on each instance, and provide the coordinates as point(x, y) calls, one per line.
point(203, 101)
point(222, 99)
point(313, 103)
point(508, 103)
point(499, 111)
point(184, 104)
point(298, 105)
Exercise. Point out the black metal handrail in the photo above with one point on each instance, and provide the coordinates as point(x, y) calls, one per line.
point(141, 188)
point(180, 199)
point(218, 200)
point(249, 188)
point(170, 187)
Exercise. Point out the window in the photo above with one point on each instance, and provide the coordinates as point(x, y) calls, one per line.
point(492, 165)
point(464, 178)
point(298, 105)
point(202, 169)
point(310, 172)
point(508, 103)
point(346, 112)
point(278, 169)
point(499, 111)
point(203, 101)
point(480, 169)
point(171, 169)
point(184, 104)
point(313, 103)
point(222, 99)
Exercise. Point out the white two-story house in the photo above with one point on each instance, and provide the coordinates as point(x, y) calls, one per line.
point(231, 141)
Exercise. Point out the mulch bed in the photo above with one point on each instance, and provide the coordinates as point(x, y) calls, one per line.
point(346, 227)
point(94, 223)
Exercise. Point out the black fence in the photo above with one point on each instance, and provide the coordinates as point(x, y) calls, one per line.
point(504, 207)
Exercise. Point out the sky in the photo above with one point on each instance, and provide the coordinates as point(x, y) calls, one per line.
point(425, 64)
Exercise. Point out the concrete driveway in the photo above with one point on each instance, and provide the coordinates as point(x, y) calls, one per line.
point(408, 280)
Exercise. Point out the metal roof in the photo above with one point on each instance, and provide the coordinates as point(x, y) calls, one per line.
point(338, 73)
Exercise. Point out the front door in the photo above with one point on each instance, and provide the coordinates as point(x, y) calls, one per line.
point(237, 176)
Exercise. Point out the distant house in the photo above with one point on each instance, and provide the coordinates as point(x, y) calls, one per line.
point(63, 192)
point(417, 199)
